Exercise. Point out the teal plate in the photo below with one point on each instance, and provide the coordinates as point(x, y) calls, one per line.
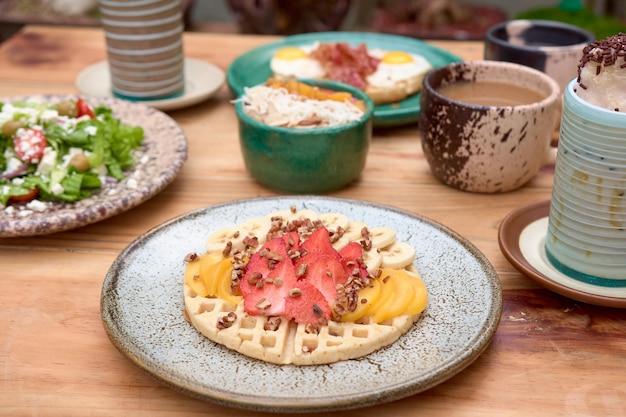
point(253, 67)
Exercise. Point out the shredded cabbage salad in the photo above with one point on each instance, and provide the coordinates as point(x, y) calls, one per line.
point(279, 107)
point(61, 151)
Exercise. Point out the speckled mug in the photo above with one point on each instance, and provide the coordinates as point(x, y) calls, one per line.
point(551, 47)
point(487, 149)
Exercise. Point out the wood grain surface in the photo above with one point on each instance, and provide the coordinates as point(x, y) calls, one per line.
point(550, 356)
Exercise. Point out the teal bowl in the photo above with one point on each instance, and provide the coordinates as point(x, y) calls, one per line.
point(307, 160)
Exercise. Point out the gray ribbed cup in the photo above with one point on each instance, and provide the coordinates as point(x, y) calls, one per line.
point(145, 47)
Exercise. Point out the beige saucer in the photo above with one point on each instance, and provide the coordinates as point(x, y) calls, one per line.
point(202, 80)
point(522, 236)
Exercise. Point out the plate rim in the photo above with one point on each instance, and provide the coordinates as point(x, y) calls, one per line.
point(386, 116)
point(193, 78)
point(73, 219)
point(474, 348)
point(509, 233)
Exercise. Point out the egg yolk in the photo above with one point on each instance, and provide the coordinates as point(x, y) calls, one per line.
point(290, 54)
point(396, 58)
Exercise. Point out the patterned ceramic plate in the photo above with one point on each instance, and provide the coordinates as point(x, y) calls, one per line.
point(253, 67)
point(142, 311)
point(158, 161)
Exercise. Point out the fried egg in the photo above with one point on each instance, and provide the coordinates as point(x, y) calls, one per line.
point(295, 62)
point(395, 66)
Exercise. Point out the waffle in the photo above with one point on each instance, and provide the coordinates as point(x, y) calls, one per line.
point(290, 343)
point(281, 341)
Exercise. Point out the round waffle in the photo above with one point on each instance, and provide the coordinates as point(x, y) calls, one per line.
point(281, 341)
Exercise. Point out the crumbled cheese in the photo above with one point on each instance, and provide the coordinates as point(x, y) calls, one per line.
point(67, 123)
point(31, 113)
point(101, 172)
point(9, 210)
point(36, 205)
point(91, 130)
point(25, 213)
point(131, 183)
point(13, 164)
point(48, 161)
point(17, 181)
point(57, 189)
point(144, 159)
point(49, 115)
point(7, 113)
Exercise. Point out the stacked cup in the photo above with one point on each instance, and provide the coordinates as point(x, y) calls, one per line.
point(144, 47)
point(586, 236)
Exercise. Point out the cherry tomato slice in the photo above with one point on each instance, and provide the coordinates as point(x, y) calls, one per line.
point(84, 109)
point(25, 198)
point(29, 144)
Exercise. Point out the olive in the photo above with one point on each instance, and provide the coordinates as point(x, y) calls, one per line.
point(10, 127)
point(67, 108)
point(80, 162)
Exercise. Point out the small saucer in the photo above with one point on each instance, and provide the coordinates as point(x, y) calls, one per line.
point(522, 235)
point(202, 80)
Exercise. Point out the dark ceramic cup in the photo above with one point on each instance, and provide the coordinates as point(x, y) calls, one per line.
point(488, 148)
point(551, 47)
point(307, 161)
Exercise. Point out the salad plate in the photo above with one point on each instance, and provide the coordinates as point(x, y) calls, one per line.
point(522, 236)
point(157, 162)
point(142, 312)
point(253, 67)
point(202, 80)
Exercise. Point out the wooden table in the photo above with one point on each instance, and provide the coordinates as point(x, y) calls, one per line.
point(550, 356)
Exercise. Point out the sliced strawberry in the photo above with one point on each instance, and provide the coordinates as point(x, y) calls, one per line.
point(323, 272)
point(292, 239)
point(308, 305)
point(269, 276)
point(352, 255)
point(319, 242)
point(259, 263)
point(321, 265)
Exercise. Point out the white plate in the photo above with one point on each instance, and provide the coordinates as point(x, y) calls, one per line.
point(142, 311)
point(202, 80)
point(158, 161)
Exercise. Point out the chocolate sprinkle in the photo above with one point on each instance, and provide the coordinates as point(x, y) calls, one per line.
point(604, 52)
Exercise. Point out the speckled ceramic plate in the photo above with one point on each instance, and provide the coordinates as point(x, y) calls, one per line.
point(202, 80)
point(142, 311)
point(159, 159)
point(253, 67)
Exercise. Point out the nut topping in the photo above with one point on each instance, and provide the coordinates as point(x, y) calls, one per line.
point(190, 257)
point(226, 321)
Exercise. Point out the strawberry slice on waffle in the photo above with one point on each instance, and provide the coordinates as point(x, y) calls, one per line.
point(352, 255)
point(321, 265)
point(269, 276)
point(307, 305)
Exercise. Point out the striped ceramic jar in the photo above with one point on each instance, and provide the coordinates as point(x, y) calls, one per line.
point(145, 47)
